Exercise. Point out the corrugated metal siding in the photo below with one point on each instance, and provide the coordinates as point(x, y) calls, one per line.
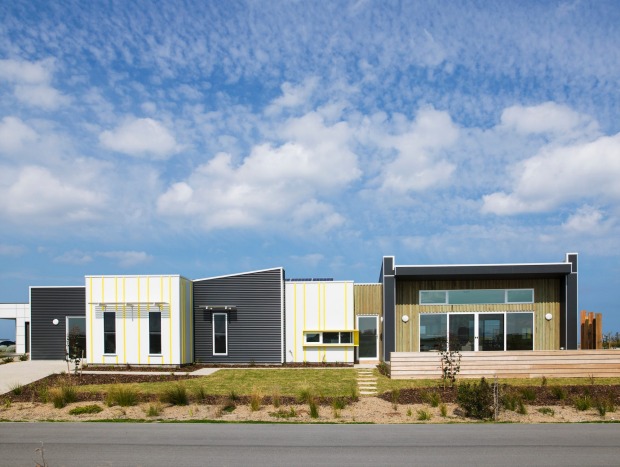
point(46, 303)
point(254, 329)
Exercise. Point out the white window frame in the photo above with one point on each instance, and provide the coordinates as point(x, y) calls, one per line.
point(225, 315)
point(320, 341)
point(67, 334)
point(376, 317)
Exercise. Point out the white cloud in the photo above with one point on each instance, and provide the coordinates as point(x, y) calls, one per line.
point(587, 220)
point(418, 165)
point(11, 250)
point(43, 96)
point(15, 134)
point(126, 258)
point(39, 195)
point(141, 137)
point(74, 257)
point(548, 117)
point(557, 175)
point(293, 96)
point(273, 183)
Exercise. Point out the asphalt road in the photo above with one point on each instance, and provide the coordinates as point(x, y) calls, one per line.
point(155, 444)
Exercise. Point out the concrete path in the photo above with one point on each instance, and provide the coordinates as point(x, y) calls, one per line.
point(28, 372)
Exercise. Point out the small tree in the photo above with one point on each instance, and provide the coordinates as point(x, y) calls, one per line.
point(74, 351)
point(450, 365)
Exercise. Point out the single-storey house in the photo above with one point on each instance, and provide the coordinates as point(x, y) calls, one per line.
point(262, 317)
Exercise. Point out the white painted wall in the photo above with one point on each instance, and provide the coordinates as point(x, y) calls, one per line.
point(131, 298)
point(315, 305)
point(20, 312)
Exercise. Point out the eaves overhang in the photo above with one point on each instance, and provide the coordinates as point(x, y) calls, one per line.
point(483, 271)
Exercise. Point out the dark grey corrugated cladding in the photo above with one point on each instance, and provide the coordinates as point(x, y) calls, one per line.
point(255, 324)
point(48, 341)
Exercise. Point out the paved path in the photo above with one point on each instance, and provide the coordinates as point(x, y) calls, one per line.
point(366, 382)
point(27, 372)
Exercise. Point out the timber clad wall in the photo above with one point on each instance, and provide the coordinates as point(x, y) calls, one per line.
point(255, 326)
point(546, 300)
point(368, 299)
point(48, 303)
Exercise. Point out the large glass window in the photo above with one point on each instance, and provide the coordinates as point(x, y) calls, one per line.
point(476, 296)
point(109, 332)
point(155, 332)
point(433, 332)
point(462, 331)
point(519, 331)
point(220, 334)
point(491, 331)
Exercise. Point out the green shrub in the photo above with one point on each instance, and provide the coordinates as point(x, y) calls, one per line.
point(282, 413)
point(62, 396)
point(201, 393)
point(424, 415)
point(305, 396)
point(154, 410)
point(443, 410)
point(314, 409)
point(7, 359)
point(583, 402)
point(229, 406)
point(233, 396)
point(546, 411)
point(394, 397)
point(23, 358)
point(521, 409)
point(604, 405)
point(510, 401)
point(122, 396)
point(256, 399)
point(17, 389)
point(175, 395)
point(528, 394)
point(85, 409)
point(558, 392)
point(409, 412)
point(276, 397)
point(476, 399)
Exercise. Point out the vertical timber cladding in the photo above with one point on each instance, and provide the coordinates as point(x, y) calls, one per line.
point(368, 301)
point(255, 322)
point(49, 341)
point(547, 297)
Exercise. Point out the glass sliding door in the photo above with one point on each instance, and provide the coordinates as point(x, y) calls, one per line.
point(368, 337)
point(491, 331)
point(462, 331)
point(519, 331)
point(433, 334)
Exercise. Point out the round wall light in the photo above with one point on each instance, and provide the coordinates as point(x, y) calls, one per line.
point(548, 316)
point(405, 318)
point(55, 322)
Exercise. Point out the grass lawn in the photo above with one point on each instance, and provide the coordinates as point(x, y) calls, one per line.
point(288, 382)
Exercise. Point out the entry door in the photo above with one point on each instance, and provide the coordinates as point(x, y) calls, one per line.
point(490, 331)
point(369, 337)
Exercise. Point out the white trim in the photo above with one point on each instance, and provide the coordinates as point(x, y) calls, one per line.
point(239, 274)
point(363, 359)
point(213, 332)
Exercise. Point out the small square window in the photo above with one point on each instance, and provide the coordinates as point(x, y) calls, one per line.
point(314, 337)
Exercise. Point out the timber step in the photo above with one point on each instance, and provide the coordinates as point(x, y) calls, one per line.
point(366, 383)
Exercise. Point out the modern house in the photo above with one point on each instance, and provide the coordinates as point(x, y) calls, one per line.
point(262, 317)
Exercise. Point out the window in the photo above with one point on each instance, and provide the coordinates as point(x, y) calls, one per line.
point(519, 327)
point(476, 296)
point(155, 332)
point(433, 332)
point(76, 336)
point(329, 337)
point(109, 332)
point(220, 334)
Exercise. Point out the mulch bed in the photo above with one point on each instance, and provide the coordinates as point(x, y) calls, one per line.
point(543, 395)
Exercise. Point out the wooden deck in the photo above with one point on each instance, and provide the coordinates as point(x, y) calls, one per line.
point(514, 364)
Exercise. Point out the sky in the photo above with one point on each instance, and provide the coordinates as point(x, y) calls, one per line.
point(207, 138)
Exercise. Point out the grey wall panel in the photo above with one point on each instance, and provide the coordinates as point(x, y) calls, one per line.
point(48, 342)
point(255, 324)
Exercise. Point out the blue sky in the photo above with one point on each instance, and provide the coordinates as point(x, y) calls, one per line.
point(206, 138)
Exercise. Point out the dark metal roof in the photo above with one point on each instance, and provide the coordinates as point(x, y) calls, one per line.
point(484, 271)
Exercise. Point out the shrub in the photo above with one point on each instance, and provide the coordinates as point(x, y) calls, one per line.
point(85, 409)
point(510, 401)
point(282, 413)
point(123, 396)
point(434, 399)
point(443, 410)
point(384, 369)
point(409, 412)
point(233, 396)
point(229, 406)
point(424, 415)
point(305, 396)
point(583, 402)
point(543, 381)
point(604, 405)
point(201, 393)
point(558, 392)
point(547, 411)
point(528, 394)
point(521, 408)
point(476, 399)
point(23, 358)
point(62, 396)
point(314, 409)
point(338, 403)
point(17, 389)
point(175, 395)
point(256, 398)
point(450, 366)
point(276, 398)
point(154, 410)
point(394, 397)
point(7, 359)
